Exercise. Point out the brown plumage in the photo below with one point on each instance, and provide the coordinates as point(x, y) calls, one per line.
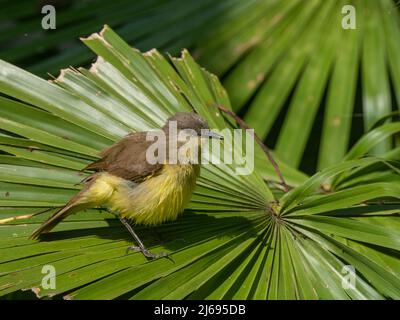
point(127, 159)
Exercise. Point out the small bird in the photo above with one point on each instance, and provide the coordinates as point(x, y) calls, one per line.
point(136, 189)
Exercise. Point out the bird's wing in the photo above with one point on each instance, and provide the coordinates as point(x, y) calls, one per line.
point(127, 159)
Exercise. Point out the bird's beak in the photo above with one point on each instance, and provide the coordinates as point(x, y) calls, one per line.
point(211, 134)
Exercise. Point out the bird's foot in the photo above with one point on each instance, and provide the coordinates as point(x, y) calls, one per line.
point(147, 253)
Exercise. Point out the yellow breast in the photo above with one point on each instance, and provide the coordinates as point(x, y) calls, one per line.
point(156, 200)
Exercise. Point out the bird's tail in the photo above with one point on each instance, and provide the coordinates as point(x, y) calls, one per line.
point(80, 201)
point(50, 223)
point(74, 205)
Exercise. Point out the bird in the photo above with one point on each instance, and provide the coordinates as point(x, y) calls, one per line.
point(139, 191)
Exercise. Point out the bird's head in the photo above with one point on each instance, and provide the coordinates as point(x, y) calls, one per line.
point(191, 123)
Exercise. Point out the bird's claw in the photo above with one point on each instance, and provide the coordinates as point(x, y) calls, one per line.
point(147, 253)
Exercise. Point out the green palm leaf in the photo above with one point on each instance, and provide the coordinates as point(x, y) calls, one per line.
point(288, 66)
point(239, 239)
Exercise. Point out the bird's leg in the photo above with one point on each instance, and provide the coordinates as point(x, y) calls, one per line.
point(140, 246)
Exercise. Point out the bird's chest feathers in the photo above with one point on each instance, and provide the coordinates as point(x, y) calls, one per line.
point(159, 198)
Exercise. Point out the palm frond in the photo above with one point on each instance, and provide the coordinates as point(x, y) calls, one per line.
point(288, 66)
point(238, 239)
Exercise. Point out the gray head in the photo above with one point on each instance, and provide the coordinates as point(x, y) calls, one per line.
point(191, 120)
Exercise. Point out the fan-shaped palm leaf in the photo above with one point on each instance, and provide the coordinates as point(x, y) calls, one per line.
point(290, 61)
point(237, 240)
